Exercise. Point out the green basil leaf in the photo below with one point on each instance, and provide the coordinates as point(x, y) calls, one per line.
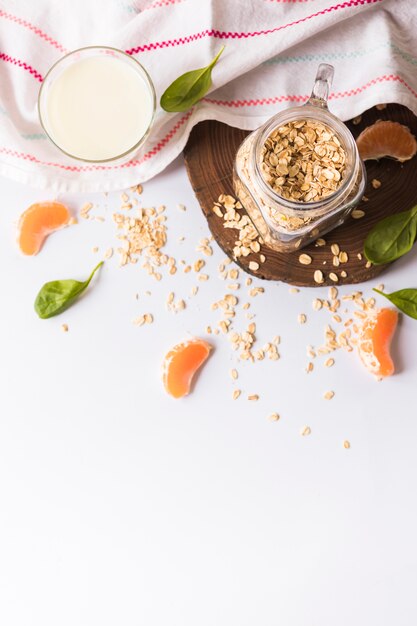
point(188, 88)
point(57, 295)
point(404, 299)
point(391, 237)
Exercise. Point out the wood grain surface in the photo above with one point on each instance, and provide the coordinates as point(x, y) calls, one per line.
point(209, 157)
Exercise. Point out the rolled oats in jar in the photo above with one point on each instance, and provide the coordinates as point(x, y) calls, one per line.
point(300, 174)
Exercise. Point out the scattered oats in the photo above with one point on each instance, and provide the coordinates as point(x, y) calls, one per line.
point(254, 266)
point(198, 265)
point(234, 374)
point(337, 318)
point(306, 430)
point(333, 293)
point(85, 210)
point(236, 394)
point(357, 214)
point(305, 259)
point(208, 330)
point(246, 306)
point(224, 326)
point(368, 264)
point(276, 340)
point(125, 197)
point(180, 306)
point(334, 277)
point(335, 248)
point(256, 290)
point(336, 261)
point(194, 290)
point(253, 397)
point(64, 328)
point(310, 367)
point(274, 417)
point(203, 277)
point(302, 318)
point(148, 318)
point(343, 274)
point(109, 253)
point(294, 290)
point(317, 304)
point(318, 277)
point(139, 321)
point(328, 395)
point(311, 352)
point(95, 249)
point(72, 221)
point(343, 257)
point(329, 363)
point(248, 282)
point(380, 287)
point(357, 120)
point(320, 242)
point(217, 210)
point(233, 274)
point(181, 207)
point(233, 286)
point(262, 258)
point(376, 183)
point(346, 444)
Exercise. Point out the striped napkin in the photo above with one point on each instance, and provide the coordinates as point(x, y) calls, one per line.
point(272, 51)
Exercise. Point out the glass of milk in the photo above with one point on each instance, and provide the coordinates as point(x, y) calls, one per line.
point(97, 104)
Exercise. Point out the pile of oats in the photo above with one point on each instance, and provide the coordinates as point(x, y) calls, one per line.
point(144, 234)
point(303, 161)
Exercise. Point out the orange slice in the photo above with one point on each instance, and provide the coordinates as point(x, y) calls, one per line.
point(37, 222)
point(386, 139)
point(181, 363)
point(375, 340)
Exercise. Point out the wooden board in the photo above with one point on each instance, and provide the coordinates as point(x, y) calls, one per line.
point(209, 157)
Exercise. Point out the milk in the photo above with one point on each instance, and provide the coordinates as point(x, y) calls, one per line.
point(98, 108)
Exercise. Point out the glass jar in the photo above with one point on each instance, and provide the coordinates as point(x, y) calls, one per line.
point(283, 223)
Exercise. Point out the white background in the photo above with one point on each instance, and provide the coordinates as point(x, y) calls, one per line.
point(120, 505)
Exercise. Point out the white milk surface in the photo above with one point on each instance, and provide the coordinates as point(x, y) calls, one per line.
point(98, 108)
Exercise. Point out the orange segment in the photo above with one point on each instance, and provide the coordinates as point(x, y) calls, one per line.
point(375, 340)
point(181, 363)
point(37, 222)
point(386, 139)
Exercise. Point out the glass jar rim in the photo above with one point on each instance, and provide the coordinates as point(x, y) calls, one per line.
point(135, 63)
point(298, 113)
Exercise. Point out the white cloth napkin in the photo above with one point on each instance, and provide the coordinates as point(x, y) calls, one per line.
point(272, 51)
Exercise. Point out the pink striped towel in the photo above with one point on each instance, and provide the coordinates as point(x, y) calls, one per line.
point(272, 50)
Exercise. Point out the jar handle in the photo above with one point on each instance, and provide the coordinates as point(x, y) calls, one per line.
point(322, 84)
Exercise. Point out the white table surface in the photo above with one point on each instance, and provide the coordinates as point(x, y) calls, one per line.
point(120, 505)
